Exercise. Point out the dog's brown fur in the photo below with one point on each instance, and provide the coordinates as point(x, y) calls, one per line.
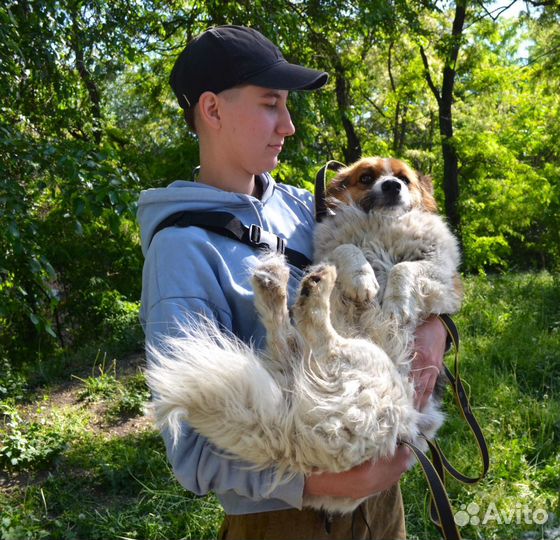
point(354, 182)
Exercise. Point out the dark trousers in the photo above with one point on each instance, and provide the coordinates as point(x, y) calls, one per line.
point(378, 518)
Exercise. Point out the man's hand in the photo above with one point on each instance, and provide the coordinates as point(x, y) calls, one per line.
point(429, 347)
point(361, 481)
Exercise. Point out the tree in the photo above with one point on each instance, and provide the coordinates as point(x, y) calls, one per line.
point(88, 119)
point(61, 181)
point(449, 50)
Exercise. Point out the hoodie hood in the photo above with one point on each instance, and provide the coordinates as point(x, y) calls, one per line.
point(157, 204)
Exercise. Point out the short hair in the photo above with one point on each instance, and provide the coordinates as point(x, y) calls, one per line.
point(190, 118)
point(190, 115)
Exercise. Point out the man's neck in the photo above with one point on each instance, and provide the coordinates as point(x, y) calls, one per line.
point(247, 184)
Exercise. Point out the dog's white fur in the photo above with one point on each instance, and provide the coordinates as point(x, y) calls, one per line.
point(333, 388)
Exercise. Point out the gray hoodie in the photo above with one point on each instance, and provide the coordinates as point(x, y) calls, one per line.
point(197, 272)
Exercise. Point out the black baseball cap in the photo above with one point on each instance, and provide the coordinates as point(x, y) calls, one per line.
point(225, 56)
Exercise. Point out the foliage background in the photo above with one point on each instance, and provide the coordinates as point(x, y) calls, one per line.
point(87, 120)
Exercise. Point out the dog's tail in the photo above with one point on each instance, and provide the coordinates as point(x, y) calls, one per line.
point(219, 385)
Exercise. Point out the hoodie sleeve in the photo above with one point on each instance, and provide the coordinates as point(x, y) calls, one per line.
point(176, 284)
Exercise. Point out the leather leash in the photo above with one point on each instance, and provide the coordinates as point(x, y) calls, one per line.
point(464, 405)
point(321, 209)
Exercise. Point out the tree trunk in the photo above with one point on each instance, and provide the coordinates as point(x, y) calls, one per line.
point(450, 158)
point(450, 168)
point(87, 79)
point(445, 105)
point(353, 149)
point(399, 127)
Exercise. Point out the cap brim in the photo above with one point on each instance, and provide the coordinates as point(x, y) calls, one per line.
point(286, 76)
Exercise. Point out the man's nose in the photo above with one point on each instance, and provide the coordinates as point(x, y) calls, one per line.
point(285, 125)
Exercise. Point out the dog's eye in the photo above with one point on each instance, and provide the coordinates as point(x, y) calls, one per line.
point(403, 178)
point(367, 179)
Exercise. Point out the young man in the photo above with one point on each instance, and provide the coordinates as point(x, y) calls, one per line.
point(233, 85)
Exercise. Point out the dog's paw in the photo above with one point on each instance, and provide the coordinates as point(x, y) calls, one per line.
point(356, 278)
point(400, 308)
point(320, 281)
point(270, 278)
point(360, 286)
point(311, 311)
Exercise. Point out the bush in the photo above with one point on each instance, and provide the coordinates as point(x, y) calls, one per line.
point(132, 398)
point(64, 205)
point(101, 387)
point(12, 383)
point(27, 445)
point(125, 398)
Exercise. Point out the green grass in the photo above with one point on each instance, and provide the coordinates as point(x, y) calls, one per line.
point(77, 476)
point(102, 386)
point(510, 358)
point(109, 488)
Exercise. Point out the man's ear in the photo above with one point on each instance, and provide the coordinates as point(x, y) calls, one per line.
point(208, 109)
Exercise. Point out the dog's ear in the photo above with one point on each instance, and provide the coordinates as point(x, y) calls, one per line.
point(426, 182)
point(338, 184)
point(427, 189)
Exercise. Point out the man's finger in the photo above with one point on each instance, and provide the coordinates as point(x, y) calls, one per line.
point(424, 387)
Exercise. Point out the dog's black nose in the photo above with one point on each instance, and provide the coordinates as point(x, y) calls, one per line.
point(391, 186)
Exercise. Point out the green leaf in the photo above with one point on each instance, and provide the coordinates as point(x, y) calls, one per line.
point(13, 228)
point(50, 331)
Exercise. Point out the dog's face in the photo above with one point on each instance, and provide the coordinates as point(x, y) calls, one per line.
point(384, 184)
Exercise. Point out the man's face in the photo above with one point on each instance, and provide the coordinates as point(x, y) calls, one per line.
point(255, 122)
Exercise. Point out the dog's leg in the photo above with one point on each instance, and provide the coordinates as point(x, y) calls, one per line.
point(351, 401)
point(402, 299)
point(355, 276)
point(270, 283)
point(417, 288)
point(312, 308)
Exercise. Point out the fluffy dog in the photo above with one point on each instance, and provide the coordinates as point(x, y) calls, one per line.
point(333, 387)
